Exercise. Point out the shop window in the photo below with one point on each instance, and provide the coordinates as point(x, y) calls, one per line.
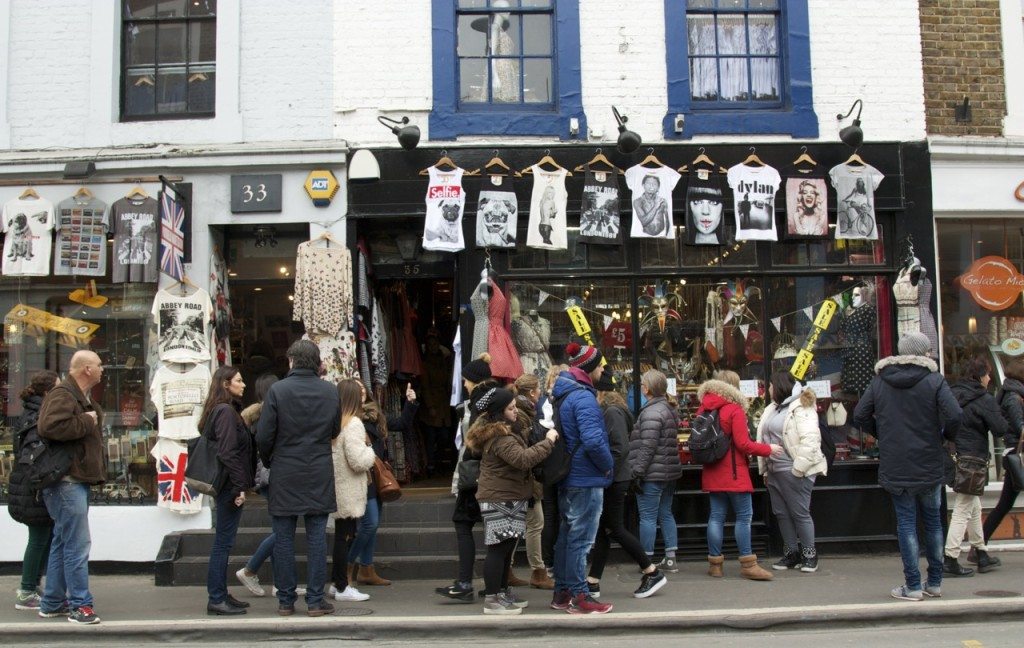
point(738, 67)
point(733, 254)
point(506, 67)
point(168, 59)
point(577, 256)
point(831, 252)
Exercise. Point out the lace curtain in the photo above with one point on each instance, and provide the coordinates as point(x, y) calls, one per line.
point(727, 67)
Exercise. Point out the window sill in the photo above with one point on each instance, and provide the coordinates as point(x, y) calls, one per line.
point(797, 122)
point(449, 124)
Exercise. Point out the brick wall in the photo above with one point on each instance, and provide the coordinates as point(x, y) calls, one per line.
point(962, 55)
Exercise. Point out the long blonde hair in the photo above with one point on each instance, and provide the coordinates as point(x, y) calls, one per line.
point(728, 377)
point(350, 392)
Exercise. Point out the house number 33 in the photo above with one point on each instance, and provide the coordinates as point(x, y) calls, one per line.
point(251, 192)
point(256, 193)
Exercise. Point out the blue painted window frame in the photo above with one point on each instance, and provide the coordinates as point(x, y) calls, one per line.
point(795, 117)
point(449, 119)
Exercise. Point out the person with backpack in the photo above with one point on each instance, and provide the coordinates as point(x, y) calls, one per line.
point(727, 479)
point(25, 504)
point(654, 461)
point(1011, 402)
point(527, 391)
point(791, 420)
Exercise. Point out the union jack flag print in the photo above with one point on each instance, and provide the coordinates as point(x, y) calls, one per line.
point(171, 459)
point(172, 236)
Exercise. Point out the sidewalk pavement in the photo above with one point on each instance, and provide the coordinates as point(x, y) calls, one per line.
point(848, 590)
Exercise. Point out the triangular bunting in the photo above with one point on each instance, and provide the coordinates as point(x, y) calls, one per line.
point(809, 312)
point(607, 322)
point(542, 297)
point(777, 323)
point(744, 328)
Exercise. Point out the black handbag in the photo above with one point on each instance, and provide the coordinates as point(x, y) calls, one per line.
point(469, 473)
point(1013, 464)
point(204, 471)
point(971, 475)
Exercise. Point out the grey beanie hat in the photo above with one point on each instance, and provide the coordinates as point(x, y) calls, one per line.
point(914, 344)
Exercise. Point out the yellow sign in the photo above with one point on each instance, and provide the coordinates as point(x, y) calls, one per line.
point(803, 360)
point(828, 309)
point(321, 185)
point(582, 327)
point(35, 322)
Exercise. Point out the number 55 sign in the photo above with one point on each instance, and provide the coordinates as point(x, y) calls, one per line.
point(255, 193)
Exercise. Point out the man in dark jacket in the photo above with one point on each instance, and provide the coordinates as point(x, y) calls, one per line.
point(910, 409)
point(581, 493)
point(301, 415)
point(69, 416)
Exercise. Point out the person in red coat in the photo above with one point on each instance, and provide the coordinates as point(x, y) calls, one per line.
point(728, 479)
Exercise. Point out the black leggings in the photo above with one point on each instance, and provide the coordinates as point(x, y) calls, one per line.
point(549, 535)
point(613, 525)
point(497, 564)
point(1003, 506)
point(467, 550)
point(344, 532)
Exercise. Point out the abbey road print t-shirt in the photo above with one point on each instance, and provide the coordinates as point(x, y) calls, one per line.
point(652, 200)
point(82, 226)
point(753, 190)
point(599, 209)
point(136, 231)
point(183, 326)
point(27, 225)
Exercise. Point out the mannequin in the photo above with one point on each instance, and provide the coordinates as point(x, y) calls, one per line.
point(738, 317)
point(859, 327)
point(913, 292)
point(531, 334)
point(481, 325)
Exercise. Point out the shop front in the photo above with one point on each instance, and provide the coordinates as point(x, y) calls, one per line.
point(713, 291)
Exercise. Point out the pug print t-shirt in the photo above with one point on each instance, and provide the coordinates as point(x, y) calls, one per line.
point(599, 209)
point(652, 200)
point(753, 190)
point(547, 228)
point(28, 226)
point(855, 200)
point(446, 200)
point(497, 213)
point(183, 325)
point(705, 208)
point(136, 231)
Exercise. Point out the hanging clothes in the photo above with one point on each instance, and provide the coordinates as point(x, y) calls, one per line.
point(504, 358)
point(652, 200)
point(908, 310)
point(404, 348)
point(497, 214)
point(323, 287)
point(379, 346)
point(478, 302)
point(924, 298)
point(858, 329)
point(446, 200)
point(221, 308)
point(599, 209)
point(457, 370)
point(531, 334)
point(547, 227)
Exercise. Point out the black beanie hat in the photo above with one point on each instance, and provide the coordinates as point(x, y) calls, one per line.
point(478, 370)
point(494, 400)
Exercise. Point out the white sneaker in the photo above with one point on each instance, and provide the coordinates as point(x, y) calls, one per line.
point(299, 591)
point(252, 583)
point(349, 594)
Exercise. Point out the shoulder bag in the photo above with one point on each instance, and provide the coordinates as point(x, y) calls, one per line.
point(1013, 464)
point(203, 472)
point(971, 475)
point(384, 480)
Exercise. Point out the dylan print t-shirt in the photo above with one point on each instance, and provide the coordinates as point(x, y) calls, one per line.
point(599, 209)
point(497, 213)
point(753, 190)
point(855, 200)
point(136, 231)
point(179, 398)
point(82, 226)
point(183, 326)
point(27, 225)
point(442, 229)
point(652, 200)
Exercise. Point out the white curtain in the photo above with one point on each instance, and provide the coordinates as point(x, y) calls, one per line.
point(732, 42)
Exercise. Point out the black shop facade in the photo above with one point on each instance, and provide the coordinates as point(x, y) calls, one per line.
point(714, 292)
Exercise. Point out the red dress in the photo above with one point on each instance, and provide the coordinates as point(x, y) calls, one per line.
point(505, 361)
point(717, 477)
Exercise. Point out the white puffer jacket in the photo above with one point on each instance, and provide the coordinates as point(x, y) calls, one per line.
point(352, 458)
point(801, 436)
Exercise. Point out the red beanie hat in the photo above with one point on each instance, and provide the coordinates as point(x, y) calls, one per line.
point(583, 356)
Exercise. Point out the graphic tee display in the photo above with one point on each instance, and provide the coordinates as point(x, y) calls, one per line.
point(497, 213)
point(753, 190)
point(172, 493)
point(806, 207)
point(599, 209)
point(178, 397)
point(547, 227)
point(135, 240)
point(855, 200)
point(446, 200)
point(183, 326)
point(81, 225)
point(652, 200)
point(705, 208)
point(27, 225)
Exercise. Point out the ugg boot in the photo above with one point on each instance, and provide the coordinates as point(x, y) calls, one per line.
point(750, 569)
point(715, 566)
point(368, 576)
point(515, 581)
point(539, 579)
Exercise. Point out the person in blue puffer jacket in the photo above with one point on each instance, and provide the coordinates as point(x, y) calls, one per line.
point(581, 493)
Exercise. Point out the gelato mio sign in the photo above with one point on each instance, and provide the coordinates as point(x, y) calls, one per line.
point(993, 281)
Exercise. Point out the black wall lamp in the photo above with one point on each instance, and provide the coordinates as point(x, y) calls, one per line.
point(852, 135)
point(629, 141)
point(408, 136)
point(79, 169)
point(962, 112)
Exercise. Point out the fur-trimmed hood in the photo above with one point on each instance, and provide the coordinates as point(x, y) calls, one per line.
point(807, 398)
point(482, 432)
point(724, 390)
point(920, 361)
point(251, 414)
point(905, 371)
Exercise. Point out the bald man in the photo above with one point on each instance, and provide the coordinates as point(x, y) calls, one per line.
point(72, 423)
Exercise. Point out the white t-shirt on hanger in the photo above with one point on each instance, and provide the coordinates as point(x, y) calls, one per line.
point(548, 202)
point(28, 226)
point(652, 201)
point(179, 397)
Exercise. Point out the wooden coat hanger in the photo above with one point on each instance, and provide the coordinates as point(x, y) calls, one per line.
point(145, 80)
point(600, 159)
point(84, 192)
point(702, 159)
point(651, 159)
point(198, 76)
point(137, 192)
point(547, 159)
point(855, 159)
point(186, 282)
point(500, 164)
point(29, 193)
point(447, 161)
point(804, 157)
point(753, 159)
point(328, 237)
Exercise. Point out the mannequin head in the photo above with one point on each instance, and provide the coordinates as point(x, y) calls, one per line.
point(513, 304)
point(863, 296)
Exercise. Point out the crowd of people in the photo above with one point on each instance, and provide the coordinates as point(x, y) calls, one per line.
point(553, 464)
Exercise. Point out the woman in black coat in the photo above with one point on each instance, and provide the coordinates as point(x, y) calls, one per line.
point(26, 505)
point(1011, 402)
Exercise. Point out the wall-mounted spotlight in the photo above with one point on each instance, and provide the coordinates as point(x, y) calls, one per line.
point(629, 141)
point(852, 135)
point(408, 136)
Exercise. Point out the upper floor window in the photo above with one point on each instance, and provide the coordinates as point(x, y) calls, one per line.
point(168, 58)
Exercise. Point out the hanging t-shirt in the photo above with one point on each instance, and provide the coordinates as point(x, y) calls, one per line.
point(446, 200)
point(27, 224)
point(547, 227)
point(81, 226)
point(135, 238)
point(705, 208)
point(753, 190)
point(806, 207)
point(855, 200)
point(183, 326)
point(172, 493)
point(652, 200)
point(599, 209)
point(179, 397)
point(222, 316)
point(497, 213)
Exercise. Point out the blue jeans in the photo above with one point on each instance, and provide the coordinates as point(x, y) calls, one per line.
point(264, 551)
point(227, 518)
point(285, 578)
point(743, 505)
point(908, 506)
point(655, 505)
point(580, 511)
point(67, 571)
point(365, 541)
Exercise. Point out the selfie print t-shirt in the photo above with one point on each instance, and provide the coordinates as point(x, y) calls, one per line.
point(446, 200)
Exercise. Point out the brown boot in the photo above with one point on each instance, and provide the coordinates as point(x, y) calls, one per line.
point(368, 576)
point(539, 579)
point(750, 569)
point(515, 581)
point(715, 566)
point(353, 572)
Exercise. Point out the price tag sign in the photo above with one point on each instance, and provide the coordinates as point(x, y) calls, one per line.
point(821, 388)
point(750, 388)
point(672, 385)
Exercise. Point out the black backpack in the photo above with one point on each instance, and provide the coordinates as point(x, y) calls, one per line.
point(558, 464)
point(708, 443)
point(45, 462)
